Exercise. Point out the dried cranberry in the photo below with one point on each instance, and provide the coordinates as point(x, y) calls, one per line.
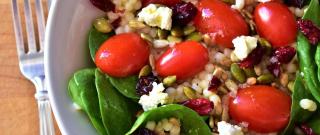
point(296, 3)
point(104, 5)
point(253, 58)
point(284, 54)
point(143, 131)
point(144, 85)
point(214, 83)
point(201, 105)
point(183, 13)
point(307, 130)
point(116, 23)
point(275, 69)
point(311, 31)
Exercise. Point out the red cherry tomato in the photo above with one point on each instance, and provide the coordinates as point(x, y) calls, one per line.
point(275, 23)
point(163, 2)
point(221, 21)
point(184, 60)
point(122, 55)
point(264, 108)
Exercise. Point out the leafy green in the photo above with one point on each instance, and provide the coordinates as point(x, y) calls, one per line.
point(306, 52)
point(314, 123)
point(126, 86)
point(74, 92)
point(297, 113)
point(96, 39)
point(192, 123)
point(83, 91)
point(116, 110)
point(313, 12)
point(309, 60)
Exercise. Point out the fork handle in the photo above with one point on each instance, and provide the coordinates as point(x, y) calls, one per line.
point(46, 123)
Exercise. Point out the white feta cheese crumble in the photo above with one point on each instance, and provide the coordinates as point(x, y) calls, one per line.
point(155, 97)
point(225, 128)
point(156, 16)
point(243, 45)
point(239, 5)
point(308, 104)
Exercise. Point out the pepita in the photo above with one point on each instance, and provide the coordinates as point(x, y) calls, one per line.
point(145, 71)
point(188, 30)
point(162, 34)
point(265, 78)
point(189, 92)
point(102, 25)
point(146, 37)
point(291, 86)
point(173, 39)
point(265, 44)
point(136, 24)
point(195, 36)
point(177, 32)
point(237, 73)
point(169, 80)
point(249, 72)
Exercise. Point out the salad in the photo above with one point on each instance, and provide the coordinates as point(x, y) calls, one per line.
point(202, 67)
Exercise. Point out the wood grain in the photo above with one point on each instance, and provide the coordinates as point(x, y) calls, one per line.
point(18, 107)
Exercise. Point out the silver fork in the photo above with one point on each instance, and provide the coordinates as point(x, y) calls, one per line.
point(31, 58)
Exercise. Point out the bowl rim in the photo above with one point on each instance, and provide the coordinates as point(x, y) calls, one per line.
point(47, 65)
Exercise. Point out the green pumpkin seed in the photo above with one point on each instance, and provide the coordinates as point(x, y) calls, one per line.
point(136, 24)
point(102, 25)
point(237, 73)
point(249, 72)
point(265, 44)
point(233, 57)
point(229, 1)
point(146, 37)
point(291, 86)
point(169, 80)
point(265, 78)
point(189, 92)
point(162, 34)
point(195, 36)
point(188, 30)
point(145, 71)
point(174, 39)
point(177, 32)
point(207, 39)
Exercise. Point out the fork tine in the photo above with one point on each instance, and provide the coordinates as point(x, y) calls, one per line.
point(40, 22)
point(17, 28)
point(29, 26)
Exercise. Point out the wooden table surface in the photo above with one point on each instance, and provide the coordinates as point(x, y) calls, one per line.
point(18, 107)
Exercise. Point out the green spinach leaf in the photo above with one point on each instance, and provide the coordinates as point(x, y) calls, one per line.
point(84, 92)
point(314, 123)
point(313, 12)
point(306, 52)
point(117, 111)
point(126, 86)
point(74, 92)
point(191, 122)
point(96, 39)
point(297, 113)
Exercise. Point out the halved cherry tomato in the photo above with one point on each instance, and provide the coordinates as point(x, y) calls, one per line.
point(221, 21)
point(275, 23)
point(184, 60)
point(163, 2)
point(264, 108)
point(122, 55)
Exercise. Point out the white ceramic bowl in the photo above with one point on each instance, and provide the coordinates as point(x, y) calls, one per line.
point(66, 50)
